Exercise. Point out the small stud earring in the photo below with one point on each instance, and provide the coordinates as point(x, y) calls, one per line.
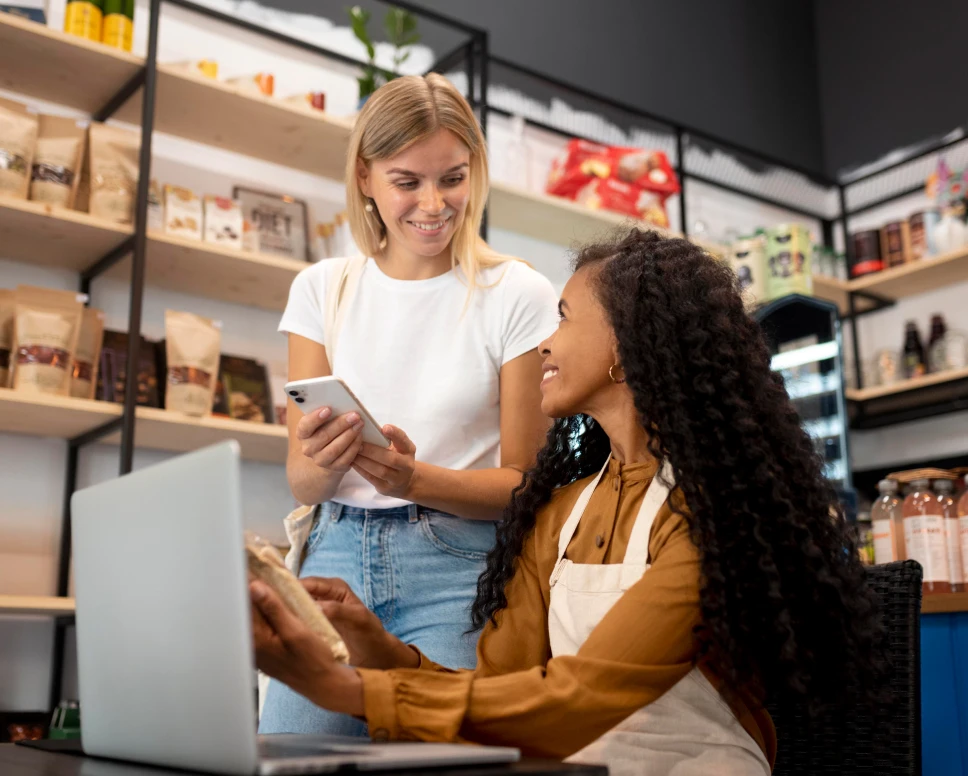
point(369, 207)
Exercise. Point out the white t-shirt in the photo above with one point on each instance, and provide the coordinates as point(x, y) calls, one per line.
point(418, 359)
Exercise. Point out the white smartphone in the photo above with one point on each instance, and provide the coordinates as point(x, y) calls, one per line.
point(318, 392)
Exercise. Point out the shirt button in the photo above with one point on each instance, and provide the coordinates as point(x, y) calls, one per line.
point(599, 541)
point(381, 734)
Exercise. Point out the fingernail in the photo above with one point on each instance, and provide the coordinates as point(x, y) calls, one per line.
point(358, 425)
point(353, 418)
point(324, 413)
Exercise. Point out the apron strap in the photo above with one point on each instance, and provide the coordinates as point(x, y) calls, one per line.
point(571, 524)
point(637, 553)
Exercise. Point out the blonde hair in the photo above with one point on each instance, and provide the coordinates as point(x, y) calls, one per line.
point(397, 115)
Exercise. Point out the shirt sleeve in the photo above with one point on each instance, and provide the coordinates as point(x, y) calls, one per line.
point(305, 310)
point(530, 311)
point(641, 648)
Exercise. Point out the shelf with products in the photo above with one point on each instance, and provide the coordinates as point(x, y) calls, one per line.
point(907, 400)
point(917, 277)
point(51, 65)
point(36, 605)
point(64, 417)
point(945, 603)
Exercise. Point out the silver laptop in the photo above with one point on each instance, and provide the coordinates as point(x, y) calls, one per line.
point(164, 644)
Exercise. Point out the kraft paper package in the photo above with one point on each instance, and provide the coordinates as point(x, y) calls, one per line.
point(192, 353)
point(18, 139)
point(113, 163)
point(6, 334)
point(46, 325)
point(84, 375)
point(56, 170)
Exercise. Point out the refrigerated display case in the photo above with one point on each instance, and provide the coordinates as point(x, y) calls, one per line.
point(804, 335)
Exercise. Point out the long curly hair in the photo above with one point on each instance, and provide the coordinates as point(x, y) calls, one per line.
point(785, 607)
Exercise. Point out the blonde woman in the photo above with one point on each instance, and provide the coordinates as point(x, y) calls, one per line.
point(438, 337)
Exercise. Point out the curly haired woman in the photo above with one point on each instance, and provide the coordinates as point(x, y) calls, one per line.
point(674, 560)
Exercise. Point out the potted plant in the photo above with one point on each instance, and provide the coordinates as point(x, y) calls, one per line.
point(401, 32)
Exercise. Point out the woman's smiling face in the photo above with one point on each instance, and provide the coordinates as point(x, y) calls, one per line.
point(421, 193)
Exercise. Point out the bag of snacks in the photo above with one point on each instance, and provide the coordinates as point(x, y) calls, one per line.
point(84, 376)
point(192, 352)
point(113, 155)
point(223, 221)
point(243, 391)
point(620, 197)
point(46, 325)
point(183, 213)
point(112, 370)
point(18, 138)
point(56, 170)
point(6, 334)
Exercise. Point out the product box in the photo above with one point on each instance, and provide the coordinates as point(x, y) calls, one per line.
point(788, 252)
point(223, 221)
point(243, 391)
point(113, 371)
point(27, 9)
point(748, 260)
point(183, 213)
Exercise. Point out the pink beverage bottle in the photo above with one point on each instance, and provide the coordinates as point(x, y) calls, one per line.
point(925, 537)
point(944, 490)
point(887, 524)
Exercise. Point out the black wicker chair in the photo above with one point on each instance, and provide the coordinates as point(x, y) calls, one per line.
point(852, 741)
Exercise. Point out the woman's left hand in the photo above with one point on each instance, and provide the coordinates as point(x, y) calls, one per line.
point(287, 650)
point(388, 469)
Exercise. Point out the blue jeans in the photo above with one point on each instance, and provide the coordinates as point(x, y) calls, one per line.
point(415, 568)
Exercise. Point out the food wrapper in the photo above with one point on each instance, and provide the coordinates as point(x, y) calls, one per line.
point(267, 565)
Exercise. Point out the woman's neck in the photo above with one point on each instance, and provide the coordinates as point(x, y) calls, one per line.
point(620, 421)
point(401, 264)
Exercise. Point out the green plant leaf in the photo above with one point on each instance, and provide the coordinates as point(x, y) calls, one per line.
point(359, 20)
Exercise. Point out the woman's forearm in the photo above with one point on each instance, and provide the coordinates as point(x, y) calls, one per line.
point(480, 494)
point(310, 485)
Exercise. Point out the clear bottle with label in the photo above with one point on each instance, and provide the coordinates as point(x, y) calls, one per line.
point(962, 511)
point(944, 490)
point(925, 536)
point(887, 524)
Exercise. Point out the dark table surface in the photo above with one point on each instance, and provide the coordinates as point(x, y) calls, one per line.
point(21, 761)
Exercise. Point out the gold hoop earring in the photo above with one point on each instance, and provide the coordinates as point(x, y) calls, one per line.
point(612, 376)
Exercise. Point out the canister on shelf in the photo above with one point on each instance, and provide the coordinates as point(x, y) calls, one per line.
point(896, 243)
point(921, 225)
point(866, 254)
point(748, 260)
point(84, 18)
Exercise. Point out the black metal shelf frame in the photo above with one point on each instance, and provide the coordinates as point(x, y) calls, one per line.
point(474, 60)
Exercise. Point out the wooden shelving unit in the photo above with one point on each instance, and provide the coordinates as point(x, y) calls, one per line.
point(905, 386)
point(65, 69)
point(55, 237)
point(944, 603)
point(36, 605)
point(918, 277)
point(64, 418)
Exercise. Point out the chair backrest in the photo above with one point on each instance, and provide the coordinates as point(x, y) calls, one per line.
point(858, 740)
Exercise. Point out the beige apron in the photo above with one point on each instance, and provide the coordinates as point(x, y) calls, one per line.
point(689, 730)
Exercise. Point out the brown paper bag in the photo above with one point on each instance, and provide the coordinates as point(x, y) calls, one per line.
point(18, 138)
point(192, 349)
point(46, 326)
point(6, 334)
point(56, 170)
point(113, 161)
point(84, 374)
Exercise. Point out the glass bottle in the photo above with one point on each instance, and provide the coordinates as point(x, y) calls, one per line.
point(912, 362)
point(944, 491)
point(937, 362)
point(925, 536)
point(962, 512)
point(887, 524)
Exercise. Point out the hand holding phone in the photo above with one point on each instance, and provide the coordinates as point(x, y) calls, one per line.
point(335, 424)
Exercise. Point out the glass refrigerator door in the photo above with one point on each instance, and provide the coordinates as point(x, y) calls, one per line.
point(805, 340)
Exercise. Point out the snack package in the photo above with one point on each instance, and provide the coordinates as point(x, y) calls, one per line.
point(311, 100)
point(260, 84)
point(267, 565)
point(46, 325)
point(620, 197)
point(648, 169)
point(748, 260)
point(223, 221)
point(118, 27)
point(280, 401)
point(788, 253)
point(243, 391)
point(113, 164)
point(84, 375)
point(183, 213)
point(18, 139)
point(112, 371)
point(204, 67)
point(156, 210)
point(56, 169)
point(192, 357)
point(7, 305)
point(573, 168)
point(84, 18)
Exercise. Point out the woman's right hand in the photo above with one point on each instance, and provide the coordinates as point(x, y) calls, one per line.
point(369, 643)
point(330, 443)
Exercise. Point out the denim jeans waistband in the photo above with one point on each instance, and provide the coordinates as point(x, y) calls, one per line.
point(335, 511)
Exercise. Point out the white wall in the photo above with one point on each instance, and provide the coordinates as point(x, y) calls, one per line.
point(32, 470)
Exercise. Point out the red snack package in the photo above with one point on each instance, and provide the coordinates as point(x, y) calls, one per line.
point(627, 198)
point(580, 162)
point(649, 169)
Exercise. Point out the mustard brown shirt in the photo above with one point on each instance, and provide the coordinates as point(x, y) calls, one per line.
point(552, 707)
